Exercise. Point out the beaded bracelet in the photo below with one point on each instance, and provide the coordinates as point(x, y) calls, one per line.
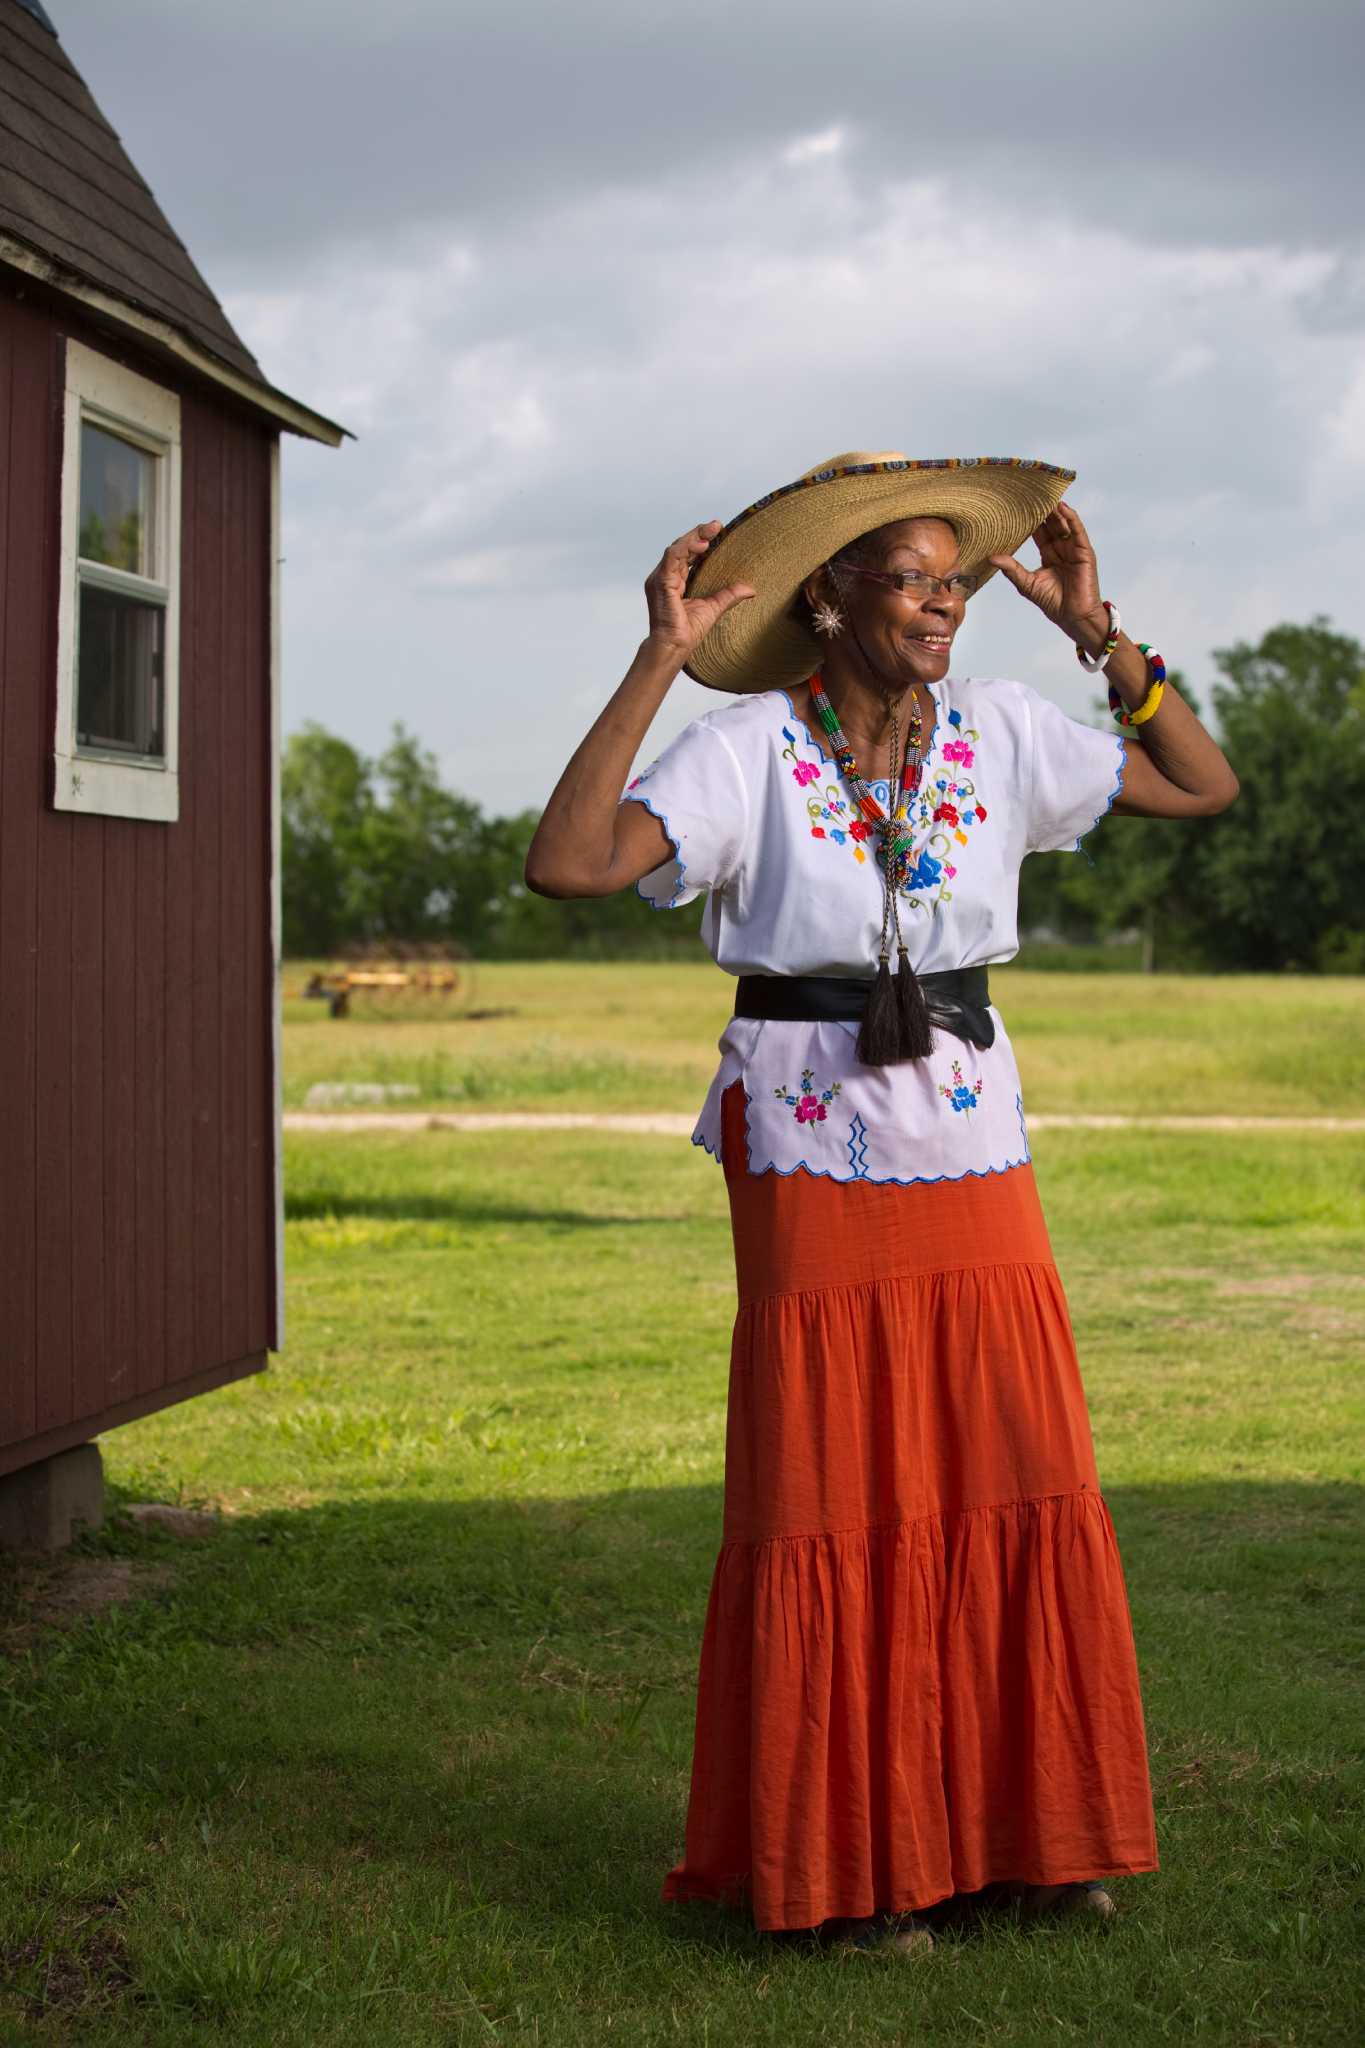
point(1147, 708)
point(1093, 663)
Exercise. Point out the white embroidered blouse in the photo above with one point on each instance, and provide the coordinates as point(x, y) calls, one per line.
point(762, 820)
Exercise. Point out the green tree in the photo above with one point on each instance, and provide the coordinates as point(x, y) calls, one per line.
point(377, 850)
point(1277, 881)
point(1132, 874)
point(1283, 875)
point(523, 926)
point(326, 793)
point(381, 849)
point(418, 864)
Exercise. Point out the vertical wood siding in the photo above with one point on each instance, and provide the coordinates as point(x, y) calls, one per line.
point(136, 1123)
point(27, 416)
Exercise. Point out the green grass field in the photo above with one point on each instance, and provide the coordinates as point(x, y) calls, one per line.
point(398, 1752)
point(642, 1036)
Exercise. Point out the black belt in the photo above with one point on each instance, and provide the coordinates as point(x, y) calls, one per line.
point(957, 1000)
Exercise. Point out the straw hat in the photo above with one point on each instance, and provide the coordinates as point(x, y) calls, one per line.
point(993, 501)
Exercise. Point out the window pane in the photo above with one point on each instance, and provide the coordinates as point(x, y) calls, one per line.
point(118, 500)
point(119, 688)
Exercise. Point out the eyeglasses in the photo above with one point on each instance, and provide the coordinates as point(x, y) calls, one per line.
point(917, 582)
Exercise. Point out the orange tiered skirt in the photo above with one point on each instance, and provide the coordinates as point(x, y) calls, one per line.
point(917, 1672)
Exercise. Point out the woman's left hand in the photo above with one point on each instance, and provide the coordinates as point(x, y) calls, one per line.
point(1066, 584)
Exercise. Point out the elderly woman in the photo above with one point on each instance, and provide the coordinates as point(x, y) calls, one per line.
point(917, 1674)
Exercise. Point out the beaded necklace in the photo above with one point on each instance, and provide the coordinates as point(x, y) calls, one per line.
point(894, 844)
point(895, 1023)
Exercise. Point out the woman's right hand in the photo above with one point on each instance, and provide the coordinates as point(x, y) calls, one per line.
point(590, 841)
point(676, 622)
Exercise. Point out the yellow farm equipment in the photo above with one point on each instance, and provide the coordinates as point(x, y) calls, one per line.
point(413, 980)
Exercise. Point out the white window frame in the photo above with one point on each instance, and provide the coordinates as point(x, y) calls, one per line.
point(108, 395)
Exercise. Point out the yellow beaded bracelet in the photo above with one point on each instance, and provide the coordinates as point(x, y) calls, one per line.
point(1148, 705)
point(1146, 709)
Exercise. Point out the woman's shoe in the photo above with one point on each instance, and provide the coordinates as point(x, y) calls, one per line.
point(1057, 1901)
point(895, 1933)
point(1090, 1897)
point(909, 1936)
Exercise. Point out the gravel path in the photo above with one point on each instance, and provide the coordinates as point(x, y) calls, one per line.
point(682, 1126)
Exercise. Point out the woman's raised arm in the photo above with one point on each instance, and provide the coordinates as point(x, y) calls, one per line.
point(1174, 768)
point(588, 843)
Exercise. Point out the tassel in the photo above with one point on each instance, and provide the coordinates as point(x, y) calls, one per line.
point(879, 1034)
point(914, 1035)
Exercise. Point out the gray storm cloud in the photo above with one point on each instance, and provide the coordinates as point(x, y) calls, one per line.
point(577, 280)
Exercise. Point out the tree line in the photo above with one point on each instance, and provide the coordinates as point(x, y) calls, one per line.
point(379, 850)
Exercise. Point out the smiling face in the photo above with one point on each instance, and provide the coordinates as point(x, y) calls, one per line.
point(906, 635)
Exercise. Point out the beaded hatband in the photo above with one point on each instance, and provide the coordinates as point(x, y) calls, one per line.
point(947, 463)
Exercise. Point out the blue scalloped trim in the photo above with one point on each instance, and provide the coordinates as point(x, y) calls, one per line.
point(888, 1180)
point(870, 1180)
point(796, 719)
point(1118, 785)
point(698, 1138)
point(638, 797)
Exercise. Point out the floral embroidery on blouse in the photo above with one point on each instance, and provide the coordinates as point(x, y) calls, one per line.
point(829, 810)
point(955, 811)
point(810, 1108)
point(962, 1095)
point(945, 809)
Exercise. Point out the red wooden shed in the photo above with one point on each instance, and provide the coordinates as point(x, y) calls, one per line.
point(140, 1205)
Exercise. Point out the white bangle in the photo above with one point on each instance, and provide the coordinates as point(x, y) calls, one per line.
point(1093, 663)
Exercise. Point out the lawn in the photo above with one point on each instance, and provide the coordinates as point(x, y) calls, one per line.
point(641, 1036)
point(397, 1752)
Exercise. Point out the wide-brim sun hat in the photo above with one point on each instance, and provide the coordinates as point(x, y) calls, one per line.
point(994, 502)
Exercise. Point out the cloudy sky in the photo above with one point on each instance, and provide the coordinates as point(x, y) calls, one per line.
point(577, 277)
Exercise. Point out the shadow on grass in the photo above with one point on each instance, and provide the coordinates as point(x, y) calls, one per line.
point(474, 1210)
point(498, 1695)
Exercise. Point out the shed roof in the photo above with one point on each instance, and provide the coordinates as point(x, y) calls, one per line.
point(74, 211)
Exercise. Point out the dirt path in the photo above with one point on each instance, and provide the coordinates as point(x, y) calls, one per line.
point(662, 1126)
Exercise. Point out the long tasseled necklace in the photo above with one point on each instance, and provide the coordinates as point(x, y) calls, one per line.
point(892, 832)
point(895, 1024)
